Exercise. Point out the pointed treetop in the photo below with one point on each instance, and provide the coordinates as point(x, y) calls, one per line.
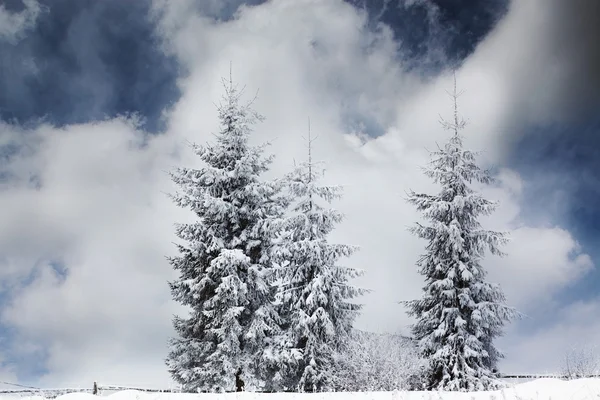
point(309, 142)
point(458, 123)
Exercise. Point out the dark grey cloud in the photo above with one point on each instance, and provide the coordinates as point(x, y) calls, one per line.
point(86, 60)
point(13, 6)
point(435, 34)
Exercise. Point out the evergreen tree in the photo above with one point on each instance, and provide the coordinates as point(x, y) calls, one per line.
point(459, 314)
point(314, 293)
point(225, 268)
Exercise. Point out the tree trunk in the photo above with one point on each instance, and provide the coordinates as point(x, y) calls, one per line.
point(239, 383)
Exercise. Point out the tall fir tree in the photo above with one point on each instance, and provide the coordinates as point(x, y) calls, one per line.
point(459, 314)
point(315, 292)
point(225, 268)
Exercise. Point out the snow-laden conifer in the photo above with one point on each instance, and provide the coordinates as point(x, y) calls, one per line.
point(460, 313)
point(225, 266)
point(315, 293)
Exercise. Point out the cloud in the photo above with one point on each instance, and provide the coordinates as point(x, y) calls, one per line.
point(550, 58)
point(550, 261)
point(543, 349)
point(13, 25)
point(100, 212)
point(545, 257)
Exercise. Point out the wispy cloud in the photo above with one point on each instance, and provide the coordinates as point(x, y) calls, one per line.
point(14, 25)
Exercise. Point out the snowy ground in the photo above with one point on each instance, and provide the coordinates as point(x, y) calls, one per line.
point(542, 389)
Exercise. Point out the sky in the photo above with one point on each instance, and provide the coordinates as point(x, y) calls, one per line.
point(98, 101)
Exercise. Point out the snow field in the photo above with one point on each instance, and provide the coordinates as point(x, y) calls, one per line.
point(541, 389)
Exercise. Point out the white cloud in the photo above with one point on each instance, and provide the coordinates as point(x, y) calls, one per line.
point(101, 209)
point(540, 262)
point(542, 349)
point(13, 25)
point(98, 212)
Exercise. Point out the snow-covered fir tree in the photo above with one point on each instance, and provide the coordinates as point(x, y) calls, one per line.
point(225, 267)
point(315, 293)
point(460, 313)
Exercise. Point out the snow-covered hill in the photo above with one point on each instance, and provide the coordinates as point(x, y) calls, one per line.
point(542, 389)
